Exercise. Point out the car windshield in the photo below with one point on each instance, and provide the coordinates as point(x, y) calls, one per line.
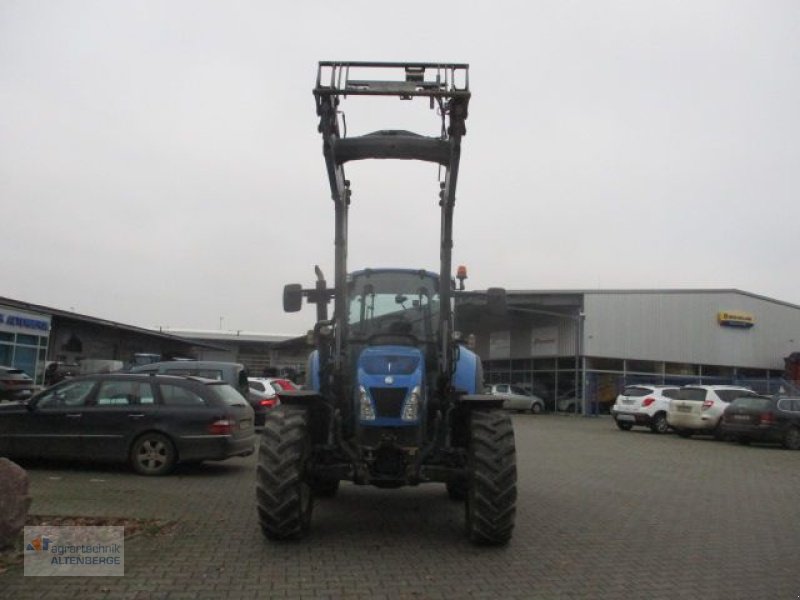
point(228, 395)
point(393, 302)
point(696, 394)
point(637, 391)
point(730, 395)
point(752, 403)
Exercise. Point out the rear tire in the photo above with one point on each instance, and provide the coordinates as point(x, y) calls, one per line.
point(284, 496)
point(624, 425)
point(536, 408)
point(153, 454)
point(492, 478)
point(791, 439)
point(659, 424)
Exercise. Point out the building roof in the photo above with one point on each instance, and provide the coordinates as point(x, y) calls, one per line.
point(622, 291)
point(65, 314)
point(230, 336)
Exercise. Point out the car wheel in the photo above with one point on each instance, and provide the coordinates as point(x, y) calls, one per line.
point(153, 454)
point(791, 439)
point(659, 424)
point(624, 425)
point(536, 408)
point(717, 432)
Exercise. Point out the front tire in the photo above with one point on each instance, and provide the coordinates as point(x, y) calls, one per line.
point(492, 478)
point(284, 495)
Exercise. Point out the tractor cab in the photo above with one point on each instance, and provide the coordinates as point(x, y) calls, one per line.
point(394, 306)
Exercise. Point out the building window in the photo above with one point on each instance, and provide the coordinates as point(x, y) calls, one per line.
point(643, 366)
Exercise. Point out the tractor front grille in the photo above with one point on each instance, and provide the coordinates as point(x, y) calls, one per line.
point(388, 401)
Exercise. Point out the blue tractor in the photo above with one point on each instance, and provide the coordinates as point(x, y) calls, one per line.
point(393, 398)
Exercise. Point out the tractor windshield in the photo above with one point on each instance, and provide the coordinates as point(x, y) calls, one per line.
point(404, 303)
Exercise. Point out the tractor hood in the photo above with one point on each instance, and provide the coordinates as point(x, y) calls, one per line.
point(390, 386)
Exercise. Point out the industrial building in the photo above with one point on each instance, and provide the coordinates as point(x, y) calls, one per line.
point(584, 346)
point(33, 335)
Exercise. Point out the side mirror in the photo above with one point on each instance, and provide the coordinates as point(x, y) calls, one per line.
point(496, 301)
point(292, 297)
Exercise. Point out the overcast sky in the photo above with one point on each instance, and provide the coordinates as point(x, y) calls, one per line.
point(160, 163)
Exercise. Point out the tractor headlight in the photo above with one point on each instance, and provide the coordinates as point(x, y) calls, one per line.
point(411, 406)
point(366, 411)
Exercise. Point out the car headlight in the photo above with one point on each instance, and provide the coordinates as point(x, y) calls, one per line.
point(366, 412)
point(411, 406)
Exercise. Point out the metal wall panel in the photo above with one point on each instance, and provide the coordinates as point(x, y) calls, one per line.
point(683, 327)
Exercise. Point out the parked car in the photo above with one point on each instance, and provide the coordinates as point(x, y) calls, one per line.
point(150, 421)
point(515, 398)
point(234, 374)
point(763, 419)
point(567, 402)
point(644, 405)
point(15, 384)
point(263, 394)
point(699, 408)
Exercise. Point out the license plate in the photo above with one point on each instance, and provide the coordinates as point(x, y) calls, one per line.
point(684, 409)
point(741, 417)
point(629, 418)
point(628, 400)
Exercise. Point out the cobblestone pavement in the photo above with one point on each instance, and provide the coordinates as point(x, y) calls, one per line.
point(602, 514)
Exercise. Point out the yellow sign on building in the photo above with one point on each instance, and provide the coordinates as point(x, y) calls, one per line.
point(735, 318)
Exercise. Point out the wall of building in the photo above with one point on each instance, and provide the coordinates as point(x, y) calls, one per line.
point(524, 337)
point(24, 338)
point(72, 340)
point(682, 327)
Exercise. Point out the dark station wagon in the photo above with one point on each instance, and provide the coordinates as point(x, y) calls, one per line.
point(763, 419)
point(150, 421)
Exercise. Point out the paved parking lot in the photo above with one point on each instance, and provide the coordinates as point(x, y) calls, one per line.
point(602, 514)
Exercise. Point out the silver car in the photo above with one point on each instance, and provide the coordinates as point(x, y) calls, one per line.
point(15, 384)
point(515, 398)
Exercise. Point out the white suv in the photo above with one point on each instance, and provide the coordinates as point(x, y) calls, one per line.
point(645, 405)
point(699, 408)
